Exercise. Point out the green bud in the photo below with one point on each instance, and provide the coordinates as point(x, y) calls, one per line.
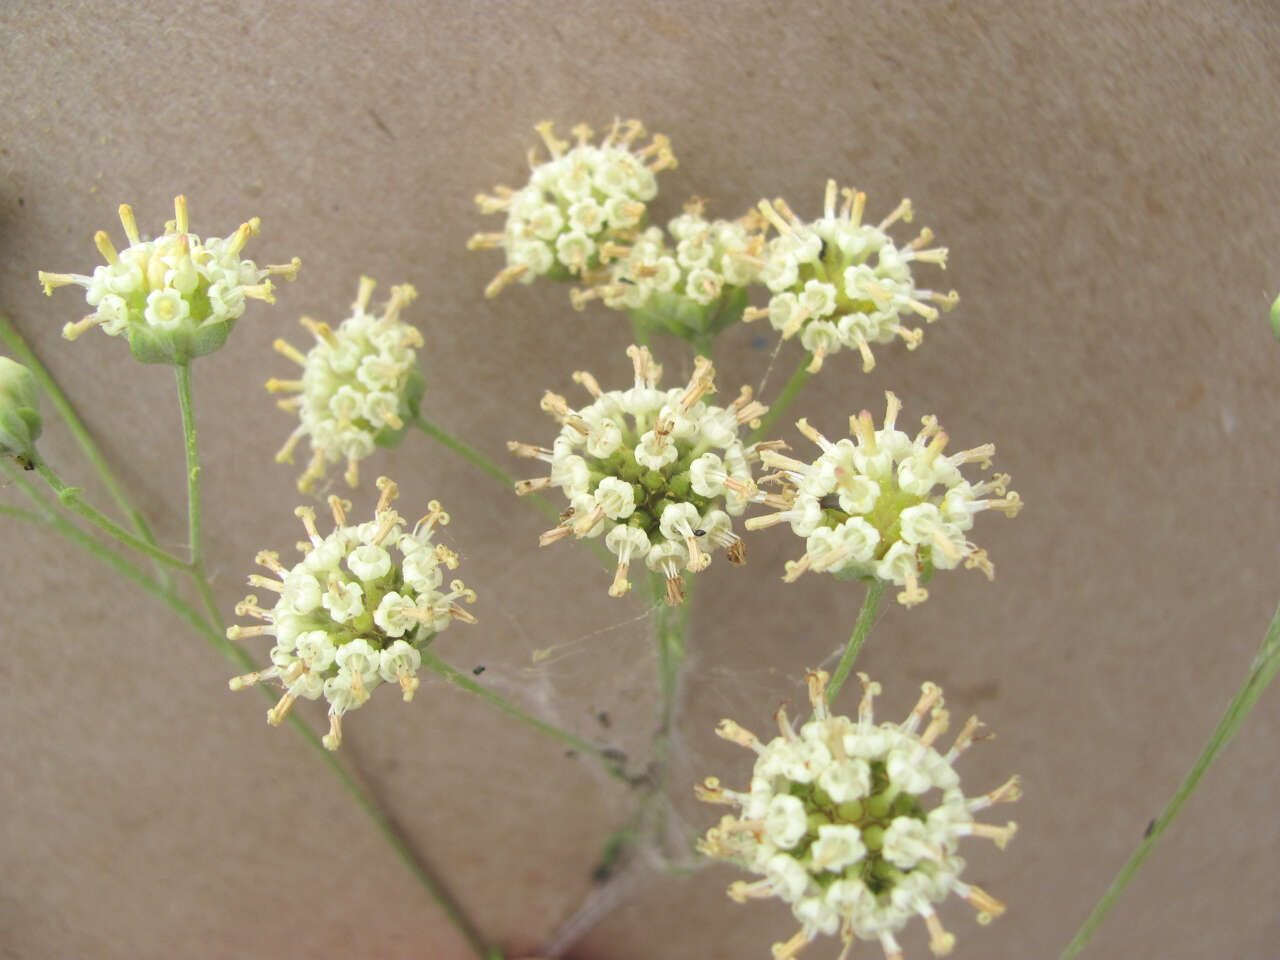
point(850, 812)
point(653, 481)
point(878, 806)
point(873, 837)
point(20, 422)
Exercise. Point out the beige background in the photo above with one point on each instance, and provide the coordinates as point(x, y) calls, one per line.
point(1105, 176)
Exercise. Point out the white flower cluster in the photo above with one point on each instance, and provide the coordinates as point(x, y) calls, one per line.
point(841, 283)
point(175, 297)
point(583, 197)
point(839, 823)
point(870, 509)
point(658, 472)
point(359, 386)
point(355, 610)
point(708, 257)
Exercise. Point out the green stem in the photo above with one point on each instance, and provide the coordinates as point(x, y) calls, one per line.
point(459, 679)
point(669, 627)
point(639, 330)
point(1261, 672)
point(862, 627)
point(703, 344)
point(9, 333)
point(70, 497)
point(194, 532)
point(478, 459)
point(779, 406)
point(241, 659)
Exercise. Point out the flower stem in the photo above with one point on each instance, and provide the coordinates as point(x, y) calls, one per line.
point(1261, 672)
point(478, 459)
point(862, 627)
point(459, 679)
point(779, 406)
point(242, 661)
point(70, 497)
point(669, 627)
point(194, 532)
point(703, 344)
point(15, 341)
point(639, 329)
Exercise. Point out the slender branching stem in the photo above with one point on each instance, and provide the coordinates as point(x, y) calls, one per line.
point(195, 532)
point(1261, 672)
point(784, 400)
point(458, 679)
point(862, 627)
point(70, 497)
point(23, 352)
point(242, 661)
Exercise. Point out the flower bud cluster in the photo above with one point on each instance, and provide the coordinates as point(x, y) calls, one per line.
point(20, 422)
point(583, 198)
point(840, 283)
point(856, 826)
point(355, 611)
point(658, 473)
point(174, 298)
point(888, 507)
point(360, 385)
point(695, 287)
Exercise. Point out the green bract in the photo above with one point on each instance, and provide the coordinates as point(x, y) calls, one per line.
point(20, 422)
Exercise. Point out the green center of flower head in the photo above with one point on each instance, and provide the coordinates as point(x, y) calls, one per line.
point(871, 816)
point(657, 472)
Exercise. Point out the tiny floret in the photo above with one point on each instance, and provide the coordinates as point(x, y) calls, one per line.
point(173, 298)
point(658, 473)
point(355, 611)
point(360, 386)
point(856, 826)
point(585, 198)
point(888, 507)
point(20, 422)
point(843, 284)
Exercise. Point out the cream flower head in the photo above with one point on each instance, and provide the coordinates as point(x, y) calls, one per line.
point(584, 197)
point(355, 611)
point(173, 298)
point(855, 825)
point(360, 385)
point(888, 507)
point(694, 286)
point(841, 283)
point(658, 473)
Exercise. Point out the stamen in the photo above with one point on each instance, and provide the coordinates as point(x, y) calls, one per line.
point(288, 350)
point(129, 223)
point(180, 213)
point(504, 278)
point(103, 243)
